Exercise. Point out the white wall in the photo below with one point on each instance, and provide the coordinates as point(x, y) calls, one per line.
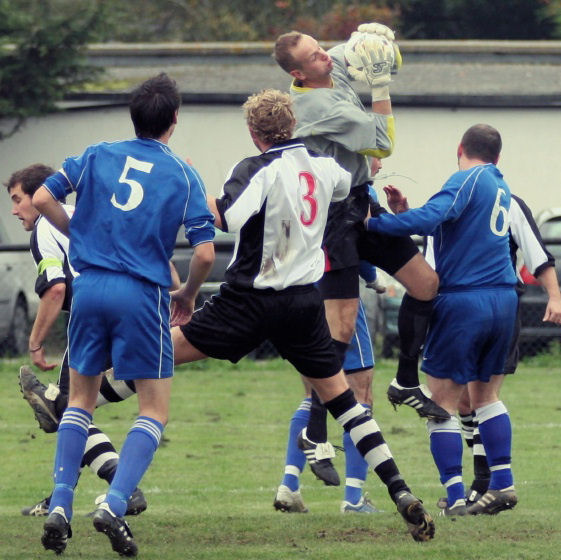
point(215, 137)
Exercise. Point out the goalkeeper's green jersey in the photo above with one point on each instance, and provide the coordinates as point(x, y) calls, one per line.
point(334, 121)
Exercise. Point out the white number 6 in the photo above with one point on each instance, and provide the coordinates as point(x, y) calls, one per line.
point(499, 210)
point(137, 192)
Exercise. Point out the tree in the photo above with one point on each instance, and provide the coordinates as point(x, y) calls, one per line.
point(478, 19)
point(42, 52)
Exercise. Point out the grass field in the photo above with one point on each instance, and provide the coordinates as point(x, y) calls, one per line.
point(211, 486)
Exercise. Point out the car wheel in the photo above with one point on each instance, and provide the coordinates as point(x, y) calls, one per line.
point(18, 337)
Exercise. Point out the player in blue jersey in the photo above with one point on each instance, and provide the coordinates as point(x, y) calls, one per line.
point(132, 198)
point(473, 319)
point(53, 285)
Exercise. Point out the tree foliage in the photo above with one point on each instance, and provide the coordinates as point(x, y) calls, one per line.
point(250, 20)
point(479, 19)
point(42, 55)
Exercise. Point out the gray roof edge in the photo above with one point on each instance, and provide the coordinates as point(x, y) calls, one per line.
point(464, 46)
point(85, 100)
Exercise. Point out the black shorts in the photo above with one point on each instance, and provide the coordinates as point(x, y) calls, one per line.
point(237, 320)
point(513, 353)
point(346, 242)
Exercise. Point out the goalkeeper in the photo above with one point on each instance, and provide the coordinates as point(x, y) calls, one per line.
point(331, 119)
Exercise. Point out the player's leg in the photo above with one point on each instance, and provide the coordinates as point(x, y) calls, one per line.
point(470, 432)
point(340, 292)
point(482, 473)
point(446, 444)
point(100, 455)
point(137, 453)
point(421, 283)
point(114, 390)
point(359, 369)
point(491, 413)
point(135, 314)
point(304, 339)
point(368, 439)
point(71, 441)
point(496, 437)
point(400, 258)
point(288, 497)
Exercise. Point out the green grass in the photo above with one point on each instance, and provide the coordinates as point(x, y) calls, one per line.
point(211, 485)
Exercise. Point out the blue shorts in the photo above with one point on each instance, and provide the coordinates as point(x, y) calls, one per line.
point(470, 333)
point(360, 354)
point(114, 314)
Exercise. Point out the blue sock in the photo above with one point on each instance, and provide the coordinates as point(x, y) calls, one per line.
point(446, 447)
point(495, 431)
point(356, 468)
point(295, 458)
point(136, 455)
point(71, 442)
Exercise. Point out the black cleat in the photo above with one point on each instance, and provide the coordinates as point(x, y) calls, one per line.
point(419, 522)
point(319, 457)
point(116, 529)
point(417, 398)
point(493, 502)
point(40, 509)
point(56, 531)
point(136, 504)
point(40, 398)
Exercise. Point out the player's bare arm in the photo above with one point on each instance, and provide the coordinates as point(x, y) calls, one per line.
point(50, 307)
point(47, 205)
point(548, 279)
point(183, 300)
point(211, 201)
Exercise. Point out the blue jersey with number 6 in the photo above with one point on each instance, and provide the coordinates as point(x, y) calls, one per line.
point(134, 195)
point(469, 221)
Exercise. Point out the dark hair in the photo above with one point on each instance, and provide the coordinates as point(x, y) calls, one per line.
point(31, 178)
point(283, 50)
point(153, 105)
point(482, 141)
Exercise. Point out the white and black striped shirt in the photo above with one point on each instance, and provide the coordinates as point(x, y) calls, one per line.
point(277, 203)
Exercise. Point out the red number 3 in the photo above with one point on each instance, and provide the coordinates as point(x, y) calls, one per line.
point(308, 181)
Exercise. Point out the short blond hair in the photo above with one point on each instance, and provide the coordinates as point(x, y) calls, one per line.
point(269, 115)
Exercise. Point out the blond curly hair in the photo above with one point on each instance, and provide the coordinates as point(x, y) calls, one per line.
point(269, 114)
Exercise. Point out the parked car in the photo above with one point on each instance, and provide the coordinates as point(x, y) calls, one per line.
point(18, 301)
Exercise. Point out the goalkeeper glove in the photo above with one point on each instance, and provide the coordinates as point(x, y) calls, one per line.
point(385, 31)
point(371, 58)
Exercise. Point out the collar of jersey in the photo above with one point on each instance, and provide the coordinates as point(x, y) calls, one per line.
point(301, 89)
point(292, 143)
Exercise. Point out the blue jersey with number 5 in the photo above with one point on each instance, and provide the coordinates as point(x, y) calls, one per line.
point(132, 197)
point(469, 221)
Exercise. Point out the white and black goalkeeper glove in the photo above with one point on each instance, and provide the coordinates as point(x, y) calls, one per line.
point(385, 31)
point(370, 58)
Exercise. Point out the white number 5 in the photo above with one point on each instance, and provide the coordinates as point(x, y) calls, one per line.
point(499, 210)
point(137, 192)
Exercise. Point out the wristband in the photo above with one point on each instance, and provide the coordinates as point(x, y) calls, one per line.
point(31, 350)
